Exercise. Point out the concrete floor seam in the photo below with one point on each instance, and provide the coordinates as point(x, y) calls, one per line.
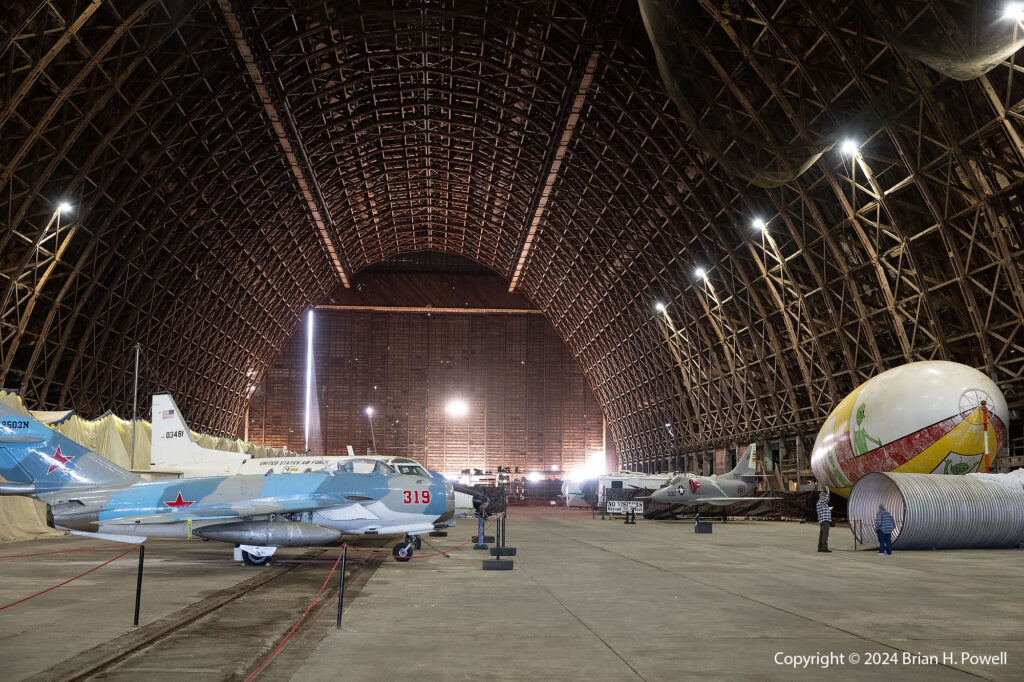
point(596, 611)
point(584, 624)
point(765, 604)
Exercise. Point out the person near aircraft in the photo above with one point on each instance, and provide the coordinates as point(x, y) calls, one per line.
point(481, 522)
point(885, 524)
point(824, 521)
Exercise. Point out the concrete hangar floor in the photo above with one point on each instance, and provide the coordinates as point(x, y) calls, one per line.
point(588, 599)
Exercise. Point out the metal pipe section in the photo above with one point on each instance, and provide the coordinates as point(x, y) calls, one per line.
point(938, 512)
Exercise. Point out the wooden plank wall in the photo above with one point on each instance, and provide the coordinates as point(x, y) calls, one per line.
point(529, 404)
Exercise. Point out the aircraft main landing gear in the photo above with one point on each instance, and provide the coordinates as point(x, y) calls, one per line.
point(402, 551)
point(254, 555)
point(255, 559)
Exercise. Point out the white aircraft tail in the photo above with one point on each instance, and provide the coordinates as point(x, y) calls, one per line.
point(746, 466)
point(172, 439)
point(173, 448)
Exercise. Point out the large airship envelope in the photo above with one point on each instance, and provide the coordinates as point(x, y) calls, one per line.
point(922, 418)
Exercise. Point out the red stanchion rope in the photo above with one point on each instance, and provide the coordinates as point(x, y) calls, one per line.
point(299, 621)
point(49, 589)
point(62, 551)
point(324, 586)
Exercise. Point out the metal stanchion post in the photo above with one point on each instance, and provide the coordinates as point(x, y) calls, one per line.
point(498, 537)
point(138, 584)
point(341, 583)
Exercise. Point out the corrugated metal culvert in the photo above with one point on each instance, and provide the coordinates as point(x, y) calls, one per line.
point(938, 512)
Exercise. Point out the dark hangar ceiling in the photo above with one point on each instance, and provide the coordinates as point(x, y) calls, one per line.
point(230, 163)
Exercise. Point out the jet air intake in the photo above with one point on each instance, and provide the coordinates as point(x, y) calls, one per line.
point(270, 533)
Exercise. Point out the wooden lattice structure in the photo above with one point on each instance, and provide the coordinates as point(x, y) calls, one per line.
point(230, 163)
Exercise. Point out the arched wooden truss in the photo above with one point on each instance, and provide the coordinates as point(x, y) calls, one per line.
point(230, 163)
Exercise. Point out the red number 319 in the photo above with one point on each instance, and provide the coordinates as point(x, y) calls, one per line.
point(416, 497)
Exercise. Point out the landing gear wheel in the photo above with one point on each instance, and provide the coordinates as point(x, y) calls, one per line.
point(402, 551)
point(255, 559)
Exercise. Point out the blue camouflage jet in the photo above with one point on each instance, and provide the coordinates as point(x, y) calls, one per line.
point(91, 496)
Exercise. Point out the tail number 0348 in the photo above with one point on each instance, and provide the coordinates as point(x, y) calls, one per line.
point(416, 497)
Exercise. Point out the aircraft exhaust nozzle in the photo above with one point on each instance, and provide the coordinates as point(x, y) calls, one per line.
point(270, 533)
point(17, 488)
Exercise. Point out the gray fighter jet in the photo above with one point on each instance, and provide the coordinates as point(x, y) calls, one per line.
point(692, 490)
point(91, 496)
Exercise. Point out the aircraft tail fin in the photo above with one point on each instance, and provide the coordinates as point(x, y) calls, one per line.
point(37, 461)
point(747, 463)
point(172, 439)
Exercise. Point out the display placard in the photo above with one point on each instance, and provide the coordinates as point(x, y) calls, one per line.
point(622, 506)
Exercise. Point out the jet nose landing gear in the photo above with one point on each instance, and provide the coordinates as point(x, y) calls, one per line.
point(403, 550)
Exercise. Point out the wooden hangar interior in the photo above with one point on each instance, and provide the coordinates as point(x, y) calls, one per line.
point(720, 221)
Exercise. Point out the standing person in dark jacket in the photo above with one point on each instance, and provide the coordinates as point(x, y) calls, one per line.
point(481, 522)
point(824, 521)
point(885, 524)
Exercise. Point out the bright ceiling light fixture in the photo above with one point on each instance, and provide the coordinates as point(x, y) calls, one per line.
point(759, 224)
point(849, 147)
point(369, 411)
point(533, 476)
point(456, 408)
point(701, 273)
point(659, 306)
point(1014, 10)
point(64, 207)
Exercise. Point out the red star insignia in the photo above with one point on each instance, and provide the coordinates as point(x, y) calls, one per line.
point(58, 461)
point(179, 503)
point(694, 485)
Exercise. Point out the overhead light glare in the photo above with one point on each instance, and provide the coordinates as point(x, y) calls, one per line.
point(64, 207)
point(456, 408)
point(849, 147)
point(1014, 10)
point(309, 372)
point(369, 411)
point(659, 306)
point(759, 224)
point(701, 273)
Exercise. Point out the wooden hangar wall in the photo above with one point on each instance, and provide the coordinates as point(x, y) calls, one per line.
point(230, 163)
point(407, 343)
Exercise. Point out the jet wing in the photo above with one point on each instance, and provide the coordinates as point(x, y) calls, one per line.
point(173, 517)
point(726, 500)
point(239, 510)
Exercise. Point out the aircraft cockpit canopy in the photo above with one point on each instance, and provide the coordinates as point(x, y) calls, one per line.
point(411, 469)
point(359, 465)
